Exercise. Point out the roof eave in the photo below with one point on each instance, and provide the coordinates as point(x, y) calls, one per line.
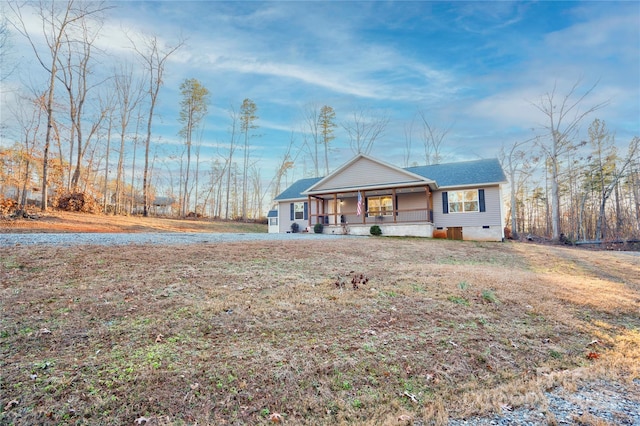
point(289, 199)
point(473, 185)
point(432, 184)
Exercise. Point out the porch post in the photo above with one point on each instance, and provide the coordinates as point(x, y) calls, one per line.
point(364, 208)
point(429, 197)
point(395, 207)
point(335, 208)
point(309, 214)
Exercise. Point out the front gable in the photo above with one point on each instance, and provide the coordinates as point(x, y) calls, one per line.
point(363, 172)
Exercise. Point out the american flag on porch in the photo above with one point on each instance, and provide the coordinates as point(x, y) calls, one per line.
point(359, 208)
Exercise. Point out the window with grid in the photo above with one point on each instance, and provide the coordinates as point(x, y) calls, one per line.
point(380, 206)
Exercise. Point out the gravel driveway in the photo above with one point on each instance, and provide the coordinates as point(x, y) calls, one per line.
point(68, 239)
point(598, 402)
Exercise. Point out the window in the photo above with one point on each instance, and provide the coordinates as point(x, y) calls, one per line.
point(380, 206)
point(273, 221)
point(463, 201)
point(299, 210)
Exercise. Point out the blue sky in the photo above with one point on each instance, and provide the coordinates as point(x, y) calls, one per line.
point(475, 67)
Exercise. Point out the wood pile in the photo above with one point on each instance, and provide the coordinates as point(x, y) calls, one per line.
point(77, 202)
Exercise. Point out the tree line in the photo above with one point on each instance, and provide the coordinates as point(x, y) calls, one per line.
point(84, 132)
point(570, 189)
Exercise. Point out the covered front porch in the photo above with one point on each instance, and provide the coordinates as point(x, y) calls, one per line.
point(396, 210)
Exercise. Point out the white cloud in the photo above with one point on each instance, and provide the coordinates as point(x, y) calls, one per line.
point(463, 63)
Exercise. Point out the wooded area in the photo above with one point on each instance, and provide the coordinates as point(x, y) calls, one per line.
point(80, 133)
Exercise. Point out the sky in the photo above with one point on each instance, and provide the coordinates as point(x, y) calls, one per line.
point(475, 68)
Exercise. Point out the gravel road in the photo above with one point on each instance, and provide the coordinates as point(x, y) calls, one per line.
point(68, 239)
point(598, 402)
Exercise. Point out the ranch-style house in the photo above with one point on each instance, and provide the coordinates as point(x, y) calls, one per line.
point(460, 200)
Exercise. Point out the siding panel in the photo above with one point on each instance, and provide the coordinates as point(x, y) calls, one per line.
point(365, 172)
point(491, 217)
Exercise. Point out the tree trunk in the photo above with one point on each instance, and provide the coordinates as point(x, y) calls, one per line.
point(185, 207)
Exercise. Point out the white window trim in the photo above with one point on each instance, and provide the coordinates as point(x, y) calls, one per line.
point(463, 202)
point(377, 213)
point(298, 207)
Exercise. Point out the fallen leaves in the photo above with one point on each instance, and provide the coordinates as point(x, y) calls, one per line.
point(11, 404)
point(275, 418)
point(404, 418)
point(356, 280)
point(411, 396)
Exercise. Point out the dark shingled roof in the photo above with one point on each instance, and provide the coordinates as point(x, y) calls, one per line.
point(475, 172)
point(296, 189)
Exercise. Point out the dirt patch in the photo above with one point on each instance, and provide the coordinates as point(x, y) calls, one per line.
point(259, 332)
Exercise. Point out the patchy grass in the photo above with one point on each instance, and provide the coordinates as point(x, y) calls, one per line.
point(255, 333)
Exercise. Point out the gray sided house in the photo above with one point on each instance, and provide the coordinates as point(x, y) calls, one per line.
point(455, 200)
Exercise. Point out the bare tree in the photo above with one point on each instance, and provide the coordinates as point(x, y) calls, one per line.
point(257, 195)
point(364, 128)
point(408, 142)
point(286, 163)
point(132, 195)
point(518, 165)
point(194, 106)
point(607, 170)
point(211, 197)
point(57, 22)
point(327, 124)
point(110, 114)
point(563, 120)
point(633, 185)
point(5, 69)
point(311, 134)
point(432, 139)
point(128, 95)
point(154, 58)
point(75, 69)
point(29, 120)
point(229, 159)
point(247, 124)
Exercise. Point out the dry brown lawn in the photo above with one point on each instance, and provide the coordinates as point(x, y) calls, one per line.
point(59, 221)
point(264, 332)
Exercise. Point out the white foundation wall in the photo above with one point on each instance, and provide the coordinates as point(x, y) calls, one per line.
point(389, 230)
point(478, 233)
